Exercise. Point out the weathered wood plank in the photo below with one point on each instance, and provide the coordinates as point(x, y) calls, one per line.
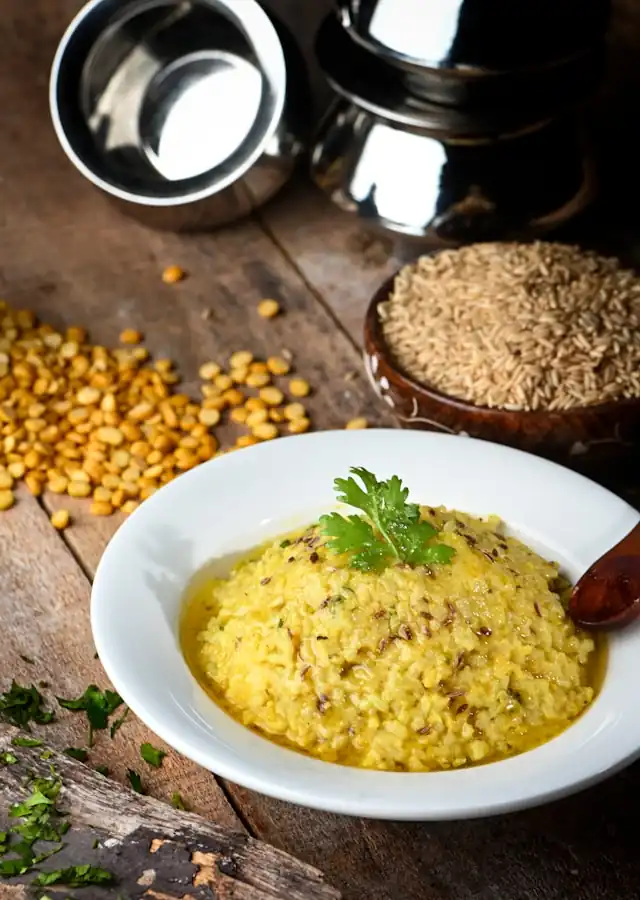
point(339, 257)
point(149, 846)
point(582, 847)
point(44, 609)
point(64, 251)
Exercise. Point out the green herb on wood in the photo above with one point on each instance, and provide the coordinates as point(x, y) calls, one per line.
point(117, 725)
point(392, 532)
point(22, 705)
point(8, 759)
point(78, 753)
point(152, 755)
point(135, 781)
point(97, 704)
point(26, 742)
point(40, 821)
point(75, 876)
point(177, 802)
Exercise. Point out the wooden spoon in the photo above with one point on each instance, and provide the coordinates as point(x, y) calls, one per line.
point(608, 594)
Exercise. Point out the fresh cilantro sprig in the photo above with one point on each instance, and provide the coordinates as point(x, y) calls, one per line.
point(97, 704)
point(392, 532)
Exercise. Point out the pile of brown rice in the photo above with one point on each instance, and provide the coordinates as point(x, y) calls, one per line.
point(518, 326)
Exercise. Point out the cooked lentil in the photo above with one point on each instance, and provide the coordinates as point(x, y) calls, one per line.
point(408, 669)
point(518, 326)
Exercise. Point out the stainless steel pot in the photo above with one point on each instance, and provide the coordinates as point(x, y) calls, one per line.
point(475, 38)
point(474, 101)
point(446, 188)
point(187, 114)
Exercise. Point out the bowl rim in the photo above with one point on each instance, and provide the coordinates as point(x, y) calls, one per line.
point(261, 765)
point(375, 345)
point(254, 22)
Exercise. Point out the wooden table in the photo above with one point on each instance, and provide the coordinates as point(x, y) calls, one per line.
point(65, 253)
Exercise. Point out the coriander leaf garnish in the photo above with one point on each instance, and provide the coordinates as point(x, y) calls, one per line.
point(8, 759)
point(394, 531)
point(177, 802)
point(102, 770)
point(97, 704)
point(355, 536)
point(152, 755)
point(75, 876)
point(21, 705)
point(135, 781)
point(117, 725)
point(26, 742)
point(78, 753)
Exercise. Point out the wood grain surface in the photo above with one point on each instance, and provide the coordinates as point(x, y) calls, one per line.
point(151, 849)
point(65, 252)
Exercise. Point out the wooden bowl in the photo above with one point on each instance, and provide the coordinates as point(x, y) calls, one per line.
point(584, 437)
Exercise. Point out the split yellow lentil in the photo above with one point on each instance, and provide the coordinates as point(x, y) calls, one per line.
point(268, 308)
point(298, 387)
point(299, 426)
point(130, 336)
point(109, 425)
point(173, 274)
point(60, 519)
point(6, 500)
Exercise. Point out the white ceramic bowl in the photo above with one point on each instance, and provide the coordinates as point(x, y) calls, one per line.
point(241, 499)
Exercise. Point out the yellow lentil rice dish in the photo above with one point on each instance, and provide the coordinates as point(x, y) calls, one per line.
point(409, 669)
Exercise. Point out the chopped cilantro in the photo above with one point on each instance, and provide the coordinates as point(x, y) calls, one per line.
point(21, 705)
point(26, 742)
point(40, 820)
point(102, 770)
point(135, 781)
point(285, 543)
point(75, 876)
point(78, 753)
point(152, 755)
point(8, 758)
point(177, 802)
point(392, 532)
point(97, 704)
point(117, 725)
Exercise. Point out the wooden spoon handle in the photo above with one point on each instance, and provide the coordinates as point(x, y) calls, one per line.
point(628, 546)
point(608, 594)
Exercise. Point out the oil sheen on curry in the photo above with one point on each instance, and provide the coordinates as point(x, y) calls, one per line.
point(423, 642)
